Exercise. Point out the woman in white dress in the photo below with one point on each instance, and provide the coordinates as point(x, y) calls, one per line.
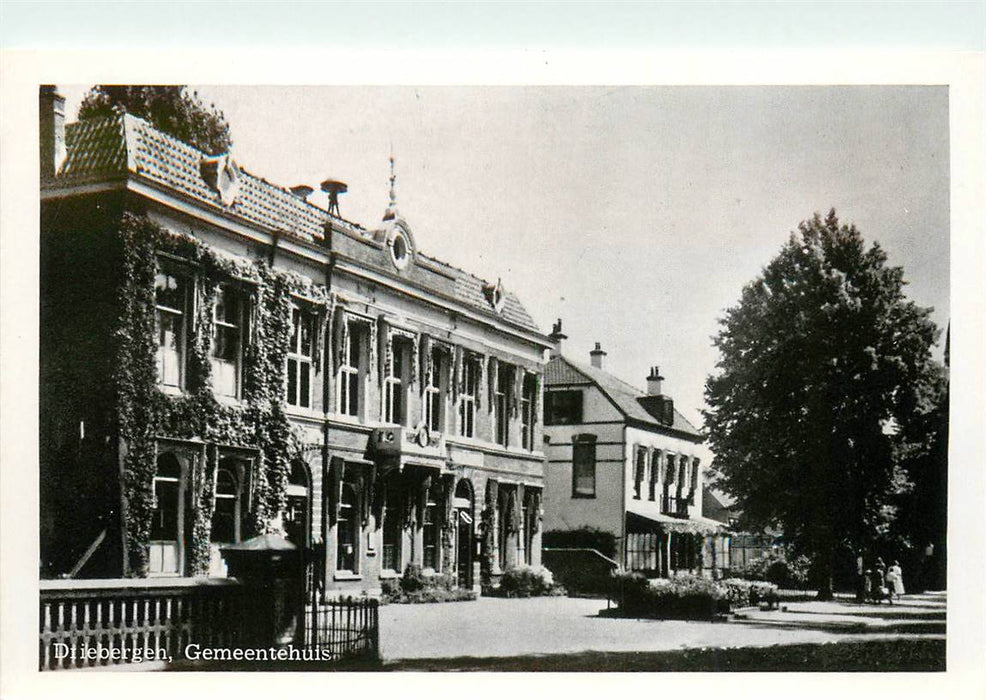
point(895, 580)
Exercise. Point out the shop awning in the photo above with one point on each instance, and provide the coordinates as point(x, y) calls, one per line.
point(645, 517)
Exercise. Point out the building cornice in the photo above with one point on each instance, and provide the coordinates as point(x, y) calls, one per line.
point(312, 252)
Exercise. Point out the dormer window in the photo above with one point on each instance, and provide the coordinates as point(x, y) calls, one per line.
point(495, 295)
point(222, 175)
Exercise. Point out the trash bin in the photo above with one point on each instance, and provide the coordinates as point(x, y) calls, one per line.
point(270, 569)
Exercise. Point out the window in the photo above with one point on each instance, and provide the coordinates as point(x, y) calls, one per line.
point(171, 297)
point(434, 393)
point(296, 508)
point(584, 466)
point(655, 473)
point(638, 472)
point(529, 524)
point(527, 416)
point(392, 529)
point(226, 516)
point(350, 371)
point(347, 530)
point(164, 553)
point(562, 407)
point(396, 382)
point(467, 397)
point(501, 403)
point(694, 482)
point(503, 516)
point(227, 339)
point(300, 356)
point(430, 531)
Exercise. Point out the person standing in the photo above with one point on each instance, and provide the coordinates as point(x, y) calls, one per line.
point(895, 579)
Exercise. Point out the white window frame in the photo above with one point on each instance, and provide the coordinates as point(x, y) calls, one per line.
point(239, 325)
point(396, 384)
point(297, 354)
point(467, 397)
point(501, 405)
point(182, 317)
point(347, 370)
point(528, 398)
point(435, 387)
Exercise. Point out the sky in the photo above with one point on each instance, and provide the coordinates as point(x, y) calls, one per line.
point(634, 214)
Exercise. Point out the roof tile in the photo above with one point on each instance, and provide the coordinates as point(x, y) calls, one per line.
point(561, 370)
point(118, 145)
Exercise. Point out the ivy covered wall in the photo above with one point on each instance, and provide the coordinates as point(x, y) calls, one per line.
point(257, 421)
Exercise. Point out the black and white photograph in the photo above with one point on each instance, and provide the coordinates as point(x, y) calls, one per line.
point(274, 422)
point(536, 376)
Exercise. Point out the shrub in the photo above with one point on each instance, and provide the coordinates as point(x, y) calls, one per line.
point(582, 538)
point(415, 587)
point(779, 570)
point(526, 581)
point(682, 597)
point(742, 593)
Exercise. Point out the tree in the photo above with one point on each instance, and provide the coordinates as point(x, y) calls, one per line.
point(169, 108)
point(821, 395)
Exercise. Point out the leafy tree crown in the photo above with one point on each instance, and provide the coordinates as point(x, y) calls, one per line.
point(822, 389)
point(170, 108)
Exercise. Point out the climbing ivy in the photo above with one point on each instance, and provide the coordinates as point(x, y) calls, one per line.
point(259, 421)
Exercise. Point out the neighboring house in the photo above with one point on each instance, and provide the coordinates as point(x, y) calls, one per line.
point(736, 548)
point(623, 461)
point(220, 357)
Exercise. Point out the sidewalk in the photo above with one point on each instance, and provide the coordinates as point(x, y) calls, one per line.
point(495, 627)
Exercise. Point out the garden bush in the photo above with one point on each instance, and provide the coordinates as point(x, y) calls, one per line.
point(417, 587)
point(527, 581)
point(743, 593)
point(778, 569)
point(682, 597)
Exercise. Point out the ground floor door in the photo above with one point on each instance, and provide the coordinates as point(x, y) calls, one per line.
point(463, 547)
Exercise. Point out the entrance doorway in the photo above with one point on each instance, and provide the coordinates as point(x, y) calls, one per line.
point(464, 529)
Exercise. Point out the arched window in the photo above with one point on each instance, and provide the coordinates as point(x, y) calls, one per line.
point(347, 530)
point(164, 549)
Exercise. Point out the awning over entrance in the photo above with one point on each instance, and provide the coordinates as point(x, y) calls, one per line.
point(643, 517)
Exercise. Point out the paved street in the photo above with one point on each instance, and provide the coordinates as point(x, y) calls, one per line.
point(494, 627)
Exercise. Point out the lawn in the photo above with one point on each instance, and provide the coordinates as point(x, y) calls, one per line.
point(878, 655)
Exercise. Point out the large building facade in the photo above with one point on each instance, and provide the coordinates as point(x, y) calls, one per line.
point(220, 357)
point(623, 461)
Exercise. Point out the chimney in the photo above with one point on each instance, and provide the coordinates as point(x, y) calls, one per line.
point(302, 191)
point(596, 356)
point(51, 108)
point(654, 380)
point(556, 337)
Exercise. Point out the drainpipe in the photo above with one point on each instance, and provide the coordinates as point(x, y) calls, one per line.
point(327, 377)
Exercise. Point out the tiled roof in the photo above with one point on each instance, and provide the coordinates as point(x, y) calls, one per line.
point(122, 145)
point(561, 370)
point(713, 508)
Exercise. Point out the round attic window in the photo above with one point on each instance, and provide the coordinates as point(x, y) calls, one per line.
point(399, 251)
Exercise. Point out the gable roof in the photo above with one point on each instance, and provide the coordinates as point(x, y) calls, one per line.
point(630, 401)
point(713, 508)
point(123, 145)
